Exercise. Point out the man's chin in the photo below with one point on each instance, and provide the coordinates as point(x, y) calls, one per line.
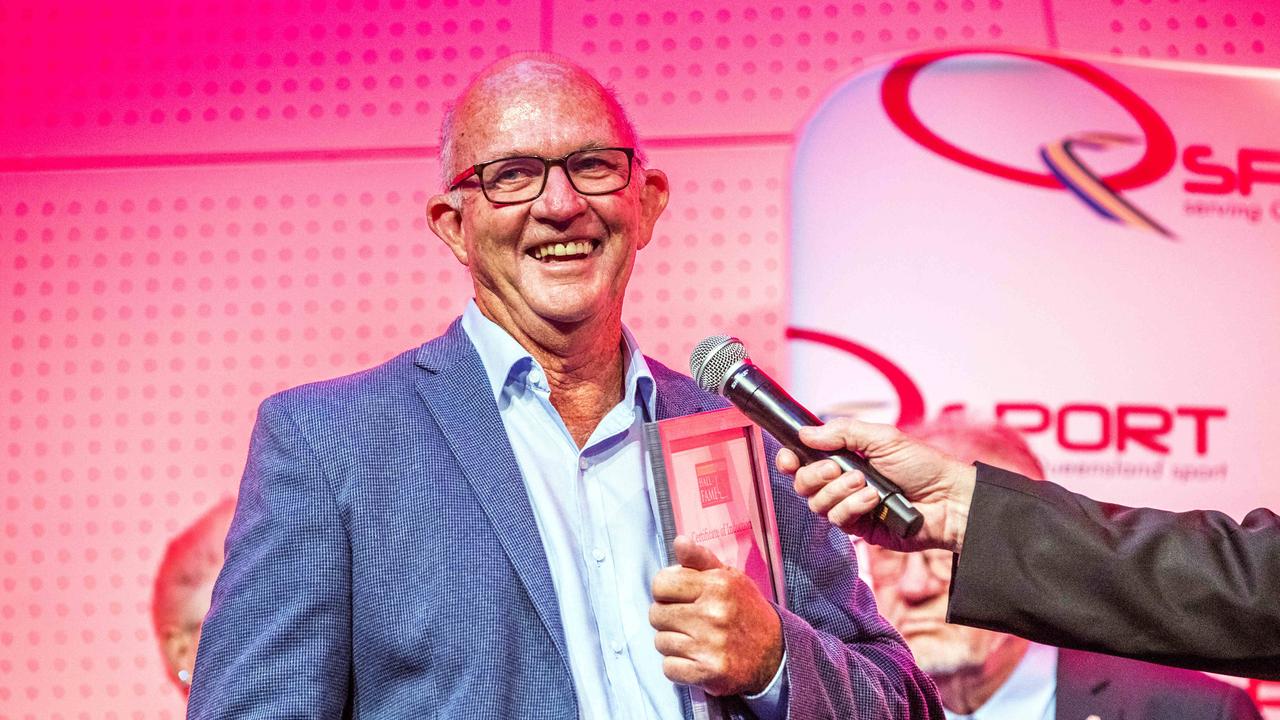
point(943, 658)
point(944, 666)
point(567, 318)
point(569, 309)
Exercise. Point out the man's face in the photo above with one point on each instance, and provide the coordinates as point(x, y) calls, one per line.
point(911, 590)
point(181, 636)
point(500, 243)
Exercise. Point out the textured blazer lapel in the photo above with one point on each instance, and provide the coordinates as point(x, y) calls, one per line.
point(1084, 691)
point(678, 395)
point(456, 391)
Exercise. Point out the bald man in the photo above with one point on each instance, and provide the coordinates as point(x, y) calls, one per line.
point(467, 530)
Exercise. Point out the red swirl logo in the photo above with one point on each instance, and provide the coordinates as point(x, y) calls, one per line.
point(1158, 158)
point(910, 400)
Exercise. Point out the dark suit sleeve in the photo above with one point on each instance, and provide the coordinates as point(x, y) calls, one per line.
point(277, 640)
point(1192, 589)
point(843, 659)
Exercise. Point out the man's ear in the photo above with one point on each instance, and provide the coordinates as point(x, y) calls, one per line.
point(446, 222)
point(653, 200)
point(179, 648)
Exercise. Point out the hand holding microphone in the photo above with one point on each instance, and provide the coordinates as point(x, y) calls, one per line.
point(940, 487)
point(720, 364)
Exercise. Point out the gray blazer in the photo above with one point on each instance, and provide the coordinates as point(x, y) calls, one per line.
point(384, 561)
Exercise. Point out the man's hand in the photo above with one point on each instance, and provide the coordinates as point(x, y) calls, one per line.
point(940, 486)
point(715, 629)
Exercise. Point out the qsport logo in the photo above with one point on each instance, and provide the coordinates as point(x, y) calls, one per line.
point(1074, 427)
point(1065, 169)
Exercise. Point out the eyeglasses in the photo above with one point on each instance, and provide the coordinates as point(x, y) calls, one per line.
point(594, 171)
point(888, 565)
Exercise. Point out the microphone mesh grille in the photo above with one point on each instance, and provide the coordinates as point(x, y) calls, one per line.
point(712, 358)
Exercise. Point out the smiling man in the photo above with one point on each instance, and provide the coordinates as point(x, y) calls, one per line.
point(467, 531)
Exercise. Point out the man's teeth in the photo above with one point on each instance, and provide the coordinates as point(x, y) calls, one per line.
point(560, 249)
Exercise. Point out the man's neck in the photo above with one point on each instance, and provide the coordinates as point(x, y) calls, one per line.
point(966, 690)
point(584, 364)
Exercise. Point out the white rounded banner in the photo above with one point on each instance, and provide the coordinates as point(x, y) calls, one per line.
point(1087, 249)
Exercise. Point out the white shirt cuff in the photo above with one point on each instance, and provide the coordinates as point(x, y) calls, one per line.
point(771, 703)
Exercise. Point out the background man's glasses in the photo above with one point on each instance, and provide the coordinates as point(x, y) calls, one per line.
point(597, 171)
point(889, 565)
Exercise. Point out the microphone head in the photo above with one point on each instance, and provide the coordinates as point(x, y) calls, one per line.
point(713, 358)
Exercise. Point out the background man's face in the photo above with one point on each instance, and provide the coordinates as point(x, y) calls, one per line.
point(911, 590)
point(180, 635)
point(551, 119)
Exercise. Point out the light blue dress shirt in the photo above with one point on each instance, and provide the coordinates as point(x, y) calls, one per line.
point(1030, 692)
point(594, 513)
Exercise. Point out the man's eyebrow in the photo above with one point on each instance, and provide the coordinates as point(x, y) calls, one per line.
point(510, 152)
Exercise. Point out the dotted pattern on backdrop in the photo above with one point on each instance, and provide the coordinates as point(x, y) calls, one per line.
point(683, 68)
point(145, 311)
point(716, 256)
point(1232, 32)
point(146, 314)
point(146, 77)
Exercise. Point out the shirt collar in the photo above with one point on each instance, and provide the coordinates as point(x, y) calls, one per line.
point(507, 364)
point(1030, 688)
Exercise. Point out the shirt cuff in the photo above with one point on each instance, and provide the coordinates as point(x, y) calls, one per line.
point(771, 703)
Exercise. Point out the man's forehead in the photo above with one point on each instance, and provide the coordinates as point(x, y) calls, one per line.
point(537, 122)
point(535, 107)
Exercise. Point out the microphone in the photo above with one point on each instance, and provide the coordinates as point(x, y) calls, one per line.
point(719, 364)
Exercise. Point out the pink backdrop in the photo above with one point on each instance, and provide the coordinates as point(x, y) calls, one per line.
point(204, 202)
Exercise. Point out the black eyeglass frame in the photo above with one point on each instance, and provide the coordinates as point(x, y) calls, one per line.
point(477, 171)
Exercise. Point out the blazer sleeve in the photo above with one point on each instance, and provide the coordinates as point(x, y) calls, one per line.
point(843, 659)
point(1237, 705)
point(277, 639)
point(1193, 589)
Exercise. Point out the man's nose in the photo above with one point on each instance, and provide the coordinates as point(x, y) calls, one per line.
point(918, 583)
point(559, 201)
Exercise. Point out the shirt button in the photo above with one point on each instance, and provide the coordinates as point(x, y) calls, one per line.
point(535, 376)
point(617, 647)
point(584, 463)
point(598, 554)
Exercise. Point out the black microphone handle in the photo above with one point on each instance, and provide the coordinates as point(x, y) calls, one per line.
point(778, 413)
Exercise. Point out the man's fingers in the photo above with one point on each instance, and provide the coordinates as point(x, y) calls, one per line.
point(670, 617)
point(829, 436)
point(727, 640)
point(787, 461)
point(835, 491)
point(693, 556)
point(676, 584)
point(814, 477)
point(846, 513)
point(695, 672)
point(683, 670)
point(673, 643)
point(848, 434)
